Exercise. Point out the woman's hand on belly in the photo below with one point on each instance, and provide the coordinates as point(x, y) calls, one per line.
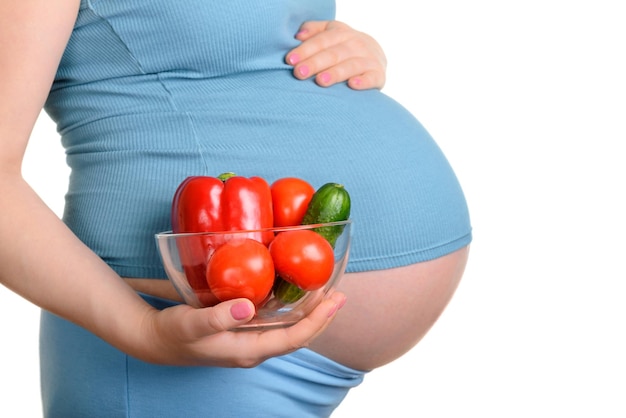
point(154, 287)
point(389, 311)
point(333, 52)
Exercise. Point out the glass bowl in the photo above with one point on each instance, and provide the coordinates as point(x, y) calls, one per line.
point(186, 257)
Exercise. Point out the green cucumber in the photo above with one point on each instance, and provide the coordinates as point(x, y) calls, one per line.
point(286, 292)
point(330, 203)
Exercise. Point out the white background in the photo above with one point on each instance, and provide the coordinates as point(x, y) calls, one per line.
point(528, 101)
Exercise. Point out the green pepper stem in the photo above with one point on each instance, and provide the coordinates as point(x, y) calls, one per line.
point(226, 176)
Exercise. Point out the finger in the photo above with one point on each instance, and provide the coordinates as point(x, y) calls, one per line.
point(324, 35)
point(200, 323)
point(352, 56)
point(371, 73)
point(311, 28)
point(304, 331)
point(323, 60)
point(257, 346)
point(368, 80)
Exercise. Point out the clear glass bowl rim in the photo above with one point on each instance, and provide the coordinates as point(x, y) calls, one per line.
point(170, 234)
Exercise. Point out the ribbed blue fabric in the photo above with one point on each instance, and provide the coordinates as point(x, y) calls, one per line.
point(150, 92)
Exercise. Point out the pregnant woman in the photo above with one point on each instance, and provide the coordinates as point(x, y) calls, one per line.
point(146, 93)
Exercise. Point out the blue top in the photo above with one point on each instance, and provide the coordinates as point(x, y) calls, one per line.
point(149, 93)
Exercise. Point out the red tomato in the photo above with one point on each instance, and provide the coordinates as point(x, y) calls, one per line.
point(302, 257)
point(241, 268)
point(290, 199)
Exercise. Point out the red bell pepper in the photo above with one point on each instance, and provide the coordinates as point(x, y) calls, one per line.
point(214, 204)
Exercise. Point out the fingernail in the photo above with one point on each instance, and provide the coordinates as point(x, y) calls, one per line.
point(324, 78)
point(337, 307)
point(294, 59)
point(356, 81)
point(240, 310)
point(302, 32)
point(304, 71)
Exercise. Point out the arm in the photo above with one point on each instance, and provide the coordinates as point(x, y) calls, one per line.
point(48, 265)
point(334, 52)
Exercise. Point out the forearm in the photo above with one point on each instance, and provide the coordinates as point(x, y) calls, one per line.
point(44, 262)
point(154, 287)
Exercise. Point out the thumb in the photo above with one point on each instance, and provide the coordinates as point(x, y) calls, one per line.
point(242, 310)
point(225, 316)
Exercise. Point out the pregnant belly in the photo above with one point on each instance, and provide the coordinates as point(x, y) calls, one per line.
point(407, 203)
